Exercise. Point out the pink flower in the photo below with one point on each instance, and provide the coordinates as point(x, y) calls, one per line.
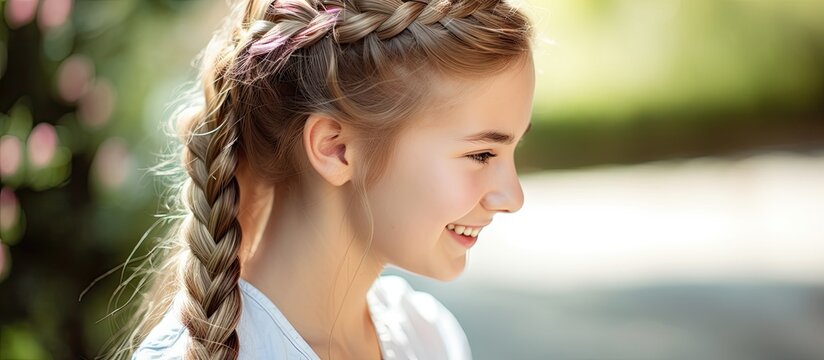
point(112, 163)
point(10, 155)
point(54, 13)
point(74, 77)
point(42, 145)
point(95, 107)
point(20, 12)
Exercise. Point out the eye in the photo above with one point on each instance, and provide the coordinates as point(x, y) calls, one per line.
point(482, 158)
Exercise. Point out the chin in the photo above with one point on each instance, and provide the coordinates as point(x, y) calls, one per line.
point(439, 271)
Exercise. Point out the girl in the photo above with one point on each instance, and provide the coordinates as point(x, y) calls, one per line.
point(335, 138)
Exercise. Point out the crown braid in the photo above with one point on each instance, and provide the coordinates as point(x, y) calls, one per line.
point(304, 22)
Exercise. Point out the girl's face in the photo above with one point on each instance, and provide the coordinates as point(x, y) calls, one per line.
point(437, 177)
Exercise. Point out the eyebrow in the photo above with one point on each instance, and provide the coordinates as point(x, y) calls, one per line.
point(492, 136)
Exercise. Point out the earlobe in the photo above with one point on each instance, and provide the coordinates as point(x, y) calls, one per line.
point(327, 149)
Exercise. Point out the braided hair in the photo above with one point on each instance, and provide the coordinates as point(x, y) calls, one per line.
point(368, 63)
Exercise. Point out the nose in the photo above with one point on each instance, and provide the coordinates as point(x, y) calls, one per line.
point(505, 194)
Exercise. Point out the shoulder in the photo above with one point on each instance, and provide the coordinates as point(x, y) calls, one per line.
point(261, 333)
point(167, 340)
point(432, 326)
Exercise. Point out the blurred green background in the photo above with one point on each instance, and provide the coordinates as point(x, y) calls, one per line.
point(87, 87)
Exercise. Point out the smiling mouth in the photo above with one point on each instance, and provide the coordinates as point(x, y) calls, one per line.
point(464, 230)
point(465, 240)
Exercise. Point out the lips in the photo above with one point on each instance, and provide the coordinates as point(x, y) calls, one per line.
point(466, 241)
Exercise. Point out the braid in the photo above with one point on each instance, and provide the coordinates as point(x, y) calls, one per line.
point(212, 232)
point(293, 21)
point(303, 22)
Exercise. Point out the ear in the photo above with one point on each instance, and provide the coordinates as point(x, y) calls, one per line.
point(328, 149)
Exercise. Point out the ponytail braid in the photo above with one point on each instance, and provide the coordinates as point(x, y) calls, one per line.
point(211, 231)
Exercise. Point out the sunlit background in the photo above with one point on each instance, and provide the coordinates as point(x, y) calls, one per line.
point(674, 178)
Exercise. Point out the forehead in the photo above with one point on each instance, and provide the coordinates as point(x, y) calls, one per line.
point(499, 102)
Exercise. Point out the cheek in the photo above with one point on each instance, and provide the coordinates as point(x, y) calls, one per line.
point(435, 192)
point(454, 190)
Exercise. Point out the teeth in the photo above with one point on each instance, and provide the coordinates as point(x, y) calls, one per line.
point(463, 230)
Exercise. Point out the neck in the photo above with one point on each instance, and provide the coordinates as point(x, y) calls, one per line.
point(308, 262)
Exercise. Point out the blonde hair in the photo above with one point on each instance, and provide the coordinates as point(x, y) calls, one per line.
point(369, 64)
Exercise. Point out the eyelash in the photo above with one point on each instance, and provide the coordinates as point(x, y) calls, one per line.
point(482, 158)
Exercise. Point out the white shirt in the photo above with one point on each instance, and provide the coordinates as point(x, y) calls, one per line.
point(410, 325)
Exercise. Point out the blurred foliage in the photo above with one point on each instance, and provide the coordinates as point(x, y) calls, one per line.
point(73, 200)
point(627, 81)
point(86, 87)
point(618, 59)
